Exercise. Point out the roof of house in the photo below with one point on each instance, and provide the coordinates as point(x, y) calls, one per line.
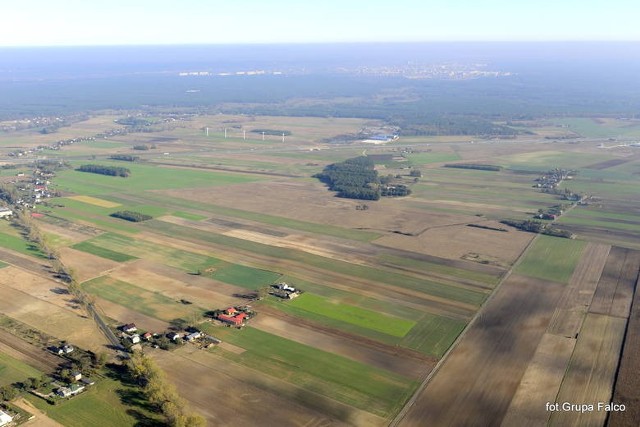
point(231, 310)
point(129, 326)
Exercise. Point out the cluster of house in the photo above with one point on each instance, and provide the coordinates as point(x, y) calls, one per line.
point(129, 334)
point(33, 190)
point(283, 290)
point(61, 351)
point(552, 178)
point(234, 316)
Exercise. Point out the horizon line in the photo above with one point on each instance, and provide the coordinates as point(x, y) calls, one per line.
point(293, 43)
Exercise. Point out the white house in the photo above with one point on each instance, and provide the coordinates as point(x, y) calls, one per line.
point(3, 213)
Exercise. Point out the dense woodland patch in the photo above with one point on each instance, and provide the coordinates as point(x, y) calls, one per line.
point(356, 179)
point(105, 170)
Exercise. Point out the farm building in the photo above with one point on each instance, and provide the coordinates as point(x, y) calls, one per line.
point(147, 336)
point(67, 348)
point(173, 336)
point(193, 336)
point(236, 320)
point(72, 390)
point(5, 418)
point(4, 212)
point(129, 327)
point(76, 376)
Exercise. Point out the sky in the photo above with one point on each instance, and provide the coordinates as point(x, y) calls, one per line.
point(148, 22)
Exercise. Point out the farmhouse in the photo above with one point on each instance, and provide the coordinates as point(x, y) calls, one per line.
point(72, 390)
point(5, 212)
point(135, 338)
point(5, 418)
point(67, 348)
point(147, 336)
point(233, 317)
point(76, 376)
point(129, 327)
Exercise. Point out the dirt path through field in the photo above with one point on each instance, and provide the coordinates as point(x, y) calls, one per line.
point(41, 419)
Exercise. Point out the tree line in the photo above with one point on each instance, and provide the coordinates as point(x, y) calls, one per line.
point(160, 393)
point(105, 170)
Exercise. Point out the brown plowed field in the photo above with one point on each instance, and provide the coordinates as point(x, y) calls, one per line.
point(86, 265)
point(615, 289)
point(126, 315)
point(477, 382)
point(230, 394)
point(627, 387)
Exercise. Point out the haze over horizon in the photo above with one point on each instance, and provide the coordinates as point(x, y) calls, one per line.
point(164, 22)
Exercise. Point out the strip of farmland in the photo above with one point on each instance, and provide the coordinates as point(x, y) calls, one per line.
point(479, 378)
point(626, 388)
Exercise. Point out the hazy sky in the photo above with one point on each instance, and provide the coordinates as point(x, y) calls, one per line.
point(117, 22)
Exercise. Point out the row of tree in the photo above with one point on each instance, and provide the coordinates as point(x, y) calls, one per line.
point(105, 170)
point(125, 157)
point(160, 393)
point(480, 167)
point(538, 227)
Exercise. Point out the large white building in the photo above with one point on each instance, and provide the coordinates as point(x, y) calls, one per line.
point(5, 212)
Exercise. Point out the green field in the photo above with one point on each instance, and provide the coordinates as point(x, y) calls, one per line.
point(188, 261)
point(372, 389)
point(13, 370)
point(102, 252)
point(353, 315)
point(551, 258)
point(246, 277)
point(106, 404)
point(189, 216)
point(20, 245)
point(153, 304)
point(433, 335)
point(143, 177)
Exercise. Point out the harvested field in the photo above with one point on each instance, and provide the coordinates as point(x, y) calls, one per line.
point(478, 380)
point(626, 389)
point(343, 346)
point(202, 377)
point(456, 241)
point(127, 315)
point(312, 202)
point(86, 265)
point(45, 305)
point(572, 307)
point(150, 303)
point(95, 201)
point(177, 285)
point(617, 283)
point(591, 372)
